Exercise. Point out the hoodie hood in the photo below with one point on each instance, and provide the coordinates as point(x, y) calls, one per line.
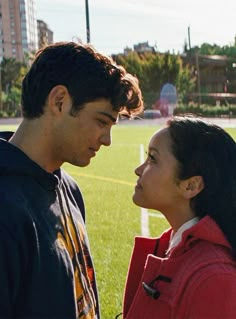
point(16, 163)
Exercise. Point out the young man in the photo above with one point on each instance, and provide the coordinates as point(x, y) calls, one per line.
point(71, 98)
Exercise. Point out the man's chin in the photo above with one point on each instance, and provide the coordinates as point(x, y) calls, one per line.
point(81, 164)
point(85, 164)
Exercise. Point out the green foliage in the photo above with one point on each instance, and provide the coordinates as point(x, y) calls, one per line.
point(12, 73)
point(3, 114)
point(207, 110)
point(213, 49)
point(135, 64)
point(10, 69)
point(154, 70)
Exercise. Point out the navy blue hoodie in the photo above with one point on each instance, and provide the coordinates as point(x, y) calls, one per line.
point(46, 269)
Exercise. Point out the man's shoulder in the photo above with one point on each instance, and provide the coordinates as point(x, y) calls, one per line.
point(14, 219)
point(6, 135)
point(11, 201)
point(74, 191)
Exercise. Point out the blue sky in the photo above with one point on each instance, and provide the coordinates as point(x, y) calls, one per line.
point(115, 24)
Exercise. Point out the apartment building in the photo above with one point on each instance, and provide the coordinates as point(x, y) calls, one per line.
point(18, 28)
point(45, 35)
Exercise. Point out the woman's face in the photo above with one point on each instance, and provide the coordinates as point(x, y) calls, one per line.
point(158, 186)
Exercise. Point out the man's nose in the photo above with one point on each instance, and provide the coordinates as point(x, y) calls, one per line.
point(106, 139)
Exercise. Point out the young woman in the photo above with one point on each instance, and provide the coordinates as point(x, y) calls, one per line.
point(190, 271)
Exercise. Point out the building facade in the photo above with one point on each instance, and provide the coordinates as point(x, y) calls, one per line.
point(144, 47)
point(18, 28)
point(45, 35)
point(215, 78)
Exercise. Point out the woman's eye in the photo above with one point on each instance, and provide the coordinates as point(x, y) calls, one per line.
point(150, 157)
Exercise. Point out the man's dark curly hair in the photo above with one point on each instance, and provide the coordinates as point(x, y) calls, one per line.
point(87, 74)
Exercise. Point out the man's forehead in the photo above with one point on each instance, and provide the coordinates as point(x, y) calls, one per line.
point(102, 107)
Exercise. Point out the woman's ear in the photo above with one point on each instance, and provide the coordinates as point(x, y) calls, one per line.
point(57, 98)
point(192, 186)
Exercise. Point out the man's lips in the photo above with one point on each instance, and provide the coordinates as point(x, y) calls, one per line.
point(93, 151)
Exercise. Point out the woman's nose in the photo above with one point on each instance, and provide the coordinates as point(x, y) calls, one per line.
point(138, 171)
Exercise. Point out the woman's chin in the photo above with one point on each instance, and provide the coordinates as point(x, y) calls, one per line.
point(136, 200)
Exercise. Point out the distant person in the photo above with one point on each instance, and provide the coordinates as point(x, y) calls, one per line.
point(190, 271)
point(71, 98)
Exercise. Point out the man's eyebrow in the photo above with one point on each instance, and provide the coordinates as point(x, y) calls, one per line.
point(113, 119)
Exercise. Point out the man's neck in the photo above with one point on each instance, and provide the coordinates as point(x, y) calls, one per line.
point(34, 139)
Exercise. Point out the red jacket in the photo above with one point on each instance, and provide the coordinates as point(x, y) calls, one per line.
point(197, 280)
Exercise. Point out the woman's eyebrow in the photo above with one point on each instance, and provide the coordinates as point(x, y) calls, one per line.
point(154, 149)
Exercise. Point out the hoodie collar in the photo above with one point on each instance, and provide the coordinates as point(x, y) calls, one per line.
point(14, 162)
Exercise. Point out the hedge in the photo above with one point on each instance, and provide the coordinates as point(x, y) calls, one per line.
point(207, 110)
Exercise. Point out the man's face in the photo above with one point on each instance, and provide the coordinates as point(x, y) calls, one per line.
point(80, 137)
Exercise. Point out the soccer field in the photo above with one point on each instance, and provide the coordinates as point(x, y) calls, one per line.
point(112, 219)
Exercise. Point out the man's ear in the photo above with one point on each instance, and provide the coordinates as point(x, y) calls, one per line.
point(192, 186)
point(58, 98)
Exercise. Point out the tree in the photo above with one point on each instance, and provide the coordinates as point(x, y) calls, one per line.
point(12, 73)
point(154, 70)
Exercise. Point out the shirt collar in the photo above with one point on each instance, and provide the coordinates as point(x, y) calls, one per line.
point(176, 238)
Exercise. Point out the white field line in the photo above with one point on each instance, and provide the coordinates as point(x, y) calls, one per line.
point(144, 222)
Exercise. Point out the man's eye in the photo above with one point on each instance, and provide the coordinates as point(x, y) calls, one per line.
point(102, 122)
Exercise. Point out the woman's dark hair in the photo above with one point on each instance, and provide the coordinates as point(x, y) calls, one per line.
point(87, 74)
point(205, 149)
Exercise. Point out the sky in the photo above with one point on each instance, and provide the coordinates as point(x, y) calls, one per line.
point(117, 24)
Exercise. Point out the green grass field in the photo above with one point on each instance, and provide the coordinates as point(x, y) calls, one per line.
point(112, 219)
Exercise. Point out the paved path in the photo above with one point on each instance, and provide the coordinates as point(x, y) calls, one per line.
point(224, 122)
point(10, 121)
